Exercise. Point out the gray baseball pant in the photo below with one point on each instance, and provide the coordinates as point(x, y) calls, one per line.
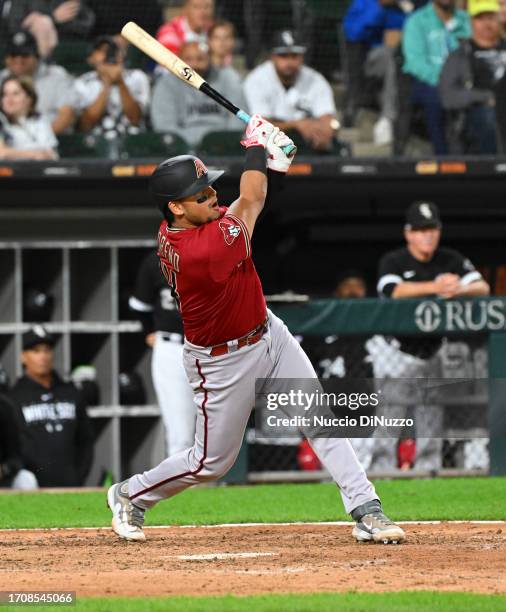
point(224, 391)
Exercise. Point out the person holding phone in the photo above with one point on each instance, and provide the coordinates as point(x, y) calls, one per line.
point(110, 99)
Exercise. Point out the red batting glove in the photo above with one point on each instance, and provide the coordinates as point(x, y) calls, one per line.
point(257, 132)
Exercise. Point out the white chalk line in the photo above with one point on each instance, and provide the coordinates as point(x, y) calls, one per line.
point(234, 525)
point(220, 556)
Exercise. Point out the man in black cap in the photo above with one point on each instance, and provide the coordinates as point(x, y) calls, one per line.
point(56, 431)
point(421, 269)
point(52, 83)
point(292, 95)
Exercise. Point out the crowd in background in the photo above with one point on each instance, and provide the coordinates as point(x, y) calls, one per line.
point(437, 65)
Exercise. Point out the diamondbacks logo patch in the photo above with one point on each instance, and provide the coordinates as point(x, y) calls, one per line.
point(230, 230)
point(200, 169)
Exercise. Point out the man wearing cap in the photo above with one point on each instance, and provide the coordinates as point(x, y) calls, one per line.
point(185, 111)
point(56, 430)
point(52, 83)
point(110, 99)
point(292, 95)
point(473, 85)
point(423, 269)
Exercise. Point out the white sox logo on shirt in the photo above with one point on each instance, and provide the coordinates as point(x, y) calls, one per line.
point(230, 231)
point(199, 168)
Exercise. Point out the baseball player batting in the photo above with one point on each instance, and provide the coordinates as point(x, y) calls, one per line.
point(231, 339)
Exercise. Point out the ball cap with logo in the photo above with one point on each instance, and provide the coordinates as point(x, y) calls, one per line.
point(37, 335)
point(477, 7)
point(421, 215)
point(22, 42)
point(180, 177)
point(287, 42)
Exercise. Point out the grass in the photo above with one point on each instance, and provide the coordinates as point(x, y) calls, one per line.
point(434, 499)
point(408, 601)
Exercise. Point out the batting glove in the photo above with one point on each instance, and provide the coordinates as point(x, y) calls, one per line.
point(277, 159)
point(257, 132)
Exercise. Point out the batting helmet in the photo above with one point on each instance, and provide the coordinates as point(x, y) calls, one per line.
point(180, 177)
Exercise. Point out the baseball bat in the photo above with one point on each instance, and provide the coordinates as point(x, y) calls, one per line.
point(163, 56)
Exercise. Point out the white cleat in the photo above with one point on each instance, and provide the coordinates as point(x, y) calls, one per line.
point(127, 518)
point(373, 526)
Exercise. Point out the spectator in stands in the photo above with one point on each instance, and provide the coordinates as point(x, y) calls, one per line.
point(473, 85)
point(184, 110)
point(502, 17)
point(374, 27)
point(422, 269)
point(57, 433)
point(53, 84)
point(292, 95)
point(12, 472)
point(110, 99)
point(221, 43)
point(24, 134)
point(50, 20)
point(430, 34)
point(191, 26)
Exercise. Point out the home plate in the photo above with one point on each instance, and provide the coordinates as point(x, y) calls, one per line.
point(219, 556)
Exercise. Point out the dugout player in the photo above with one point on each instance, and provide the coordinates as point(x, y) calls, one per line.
point(231, 339)
point(422, 269)
point(157, 310)
point(12, 473)
point(56, 431)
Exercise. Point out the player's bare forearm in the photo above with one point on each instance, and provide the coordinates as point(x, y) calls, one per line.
point(413, 290)
point(253, 188)
point(479, 288)
point(250, 203)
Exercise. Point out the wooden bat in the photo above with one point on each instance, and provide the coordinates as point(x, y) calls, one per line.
point(163, 56)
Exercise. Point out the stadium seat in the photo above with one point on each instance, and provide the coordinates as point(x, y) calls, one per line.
point(152, 144)
point(84, 145)
point(221, 143)
point(339, 148)
point(72, 54)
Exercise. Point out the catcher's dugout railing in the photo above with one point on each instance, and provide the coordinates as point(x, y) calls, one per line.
point(381, 339)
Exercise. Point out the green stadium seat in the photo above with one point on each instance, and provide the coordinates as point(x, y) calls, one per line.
point(84, 145)
point(221, 143)
point(152, 144)
point(339, 148)
point(72, 54)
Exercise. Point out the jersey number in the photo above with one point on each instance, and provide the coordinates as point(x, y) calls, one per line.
point(167, 302)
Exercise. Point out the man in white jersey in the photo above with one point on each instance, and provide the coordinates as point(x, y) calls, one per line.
point(292, 95)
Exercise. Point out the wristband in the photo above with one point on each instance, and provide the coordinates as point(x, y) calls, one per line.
point(256, 159)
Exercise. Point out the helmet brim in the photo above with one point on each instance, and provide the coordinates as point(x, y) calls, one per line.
point(200, 184)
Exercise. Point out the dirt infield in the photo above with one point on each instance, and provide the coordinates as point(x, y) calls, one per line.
point(248, 560)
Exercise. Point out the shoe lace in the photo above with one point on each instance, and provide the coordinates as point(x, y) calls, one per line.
point(135, 516)
point(381, 518)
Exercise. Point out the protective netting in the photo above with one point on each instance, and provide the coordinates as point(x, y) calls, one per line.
point(460, 410)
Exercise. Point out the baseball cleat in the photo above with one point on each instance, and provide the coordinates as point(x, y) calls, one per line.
point(373, 525)
point(127, 518)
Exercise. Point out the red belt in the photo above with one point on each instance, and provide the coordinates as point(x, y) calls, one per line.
point(234, 345)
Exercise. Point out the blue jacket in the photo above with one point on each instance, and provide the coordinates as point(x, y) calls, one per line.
point(366, 20)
